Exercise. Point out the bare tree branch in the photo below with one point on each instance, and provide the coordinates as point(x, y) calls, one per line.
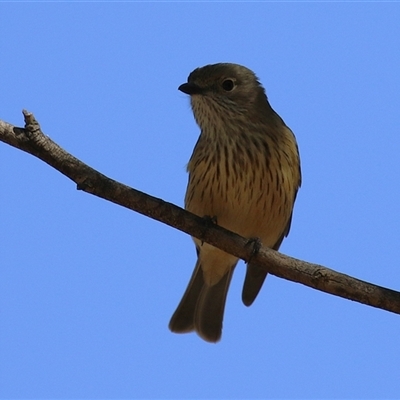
point(31, 140)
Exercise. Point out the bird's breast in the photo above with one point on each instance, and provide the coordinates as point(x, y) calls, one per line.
point(247, 181)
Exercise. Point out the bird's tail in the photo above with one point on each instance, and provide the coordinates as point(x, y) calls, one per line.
point(202, 307)
point(255, 277)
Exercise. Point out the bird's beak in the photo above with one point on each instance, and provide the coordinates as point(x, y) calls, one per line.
point(190, 88)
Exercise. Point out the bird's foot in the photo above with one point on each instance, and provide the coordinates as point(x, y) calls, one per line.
point(209, 221)
point(256, 243)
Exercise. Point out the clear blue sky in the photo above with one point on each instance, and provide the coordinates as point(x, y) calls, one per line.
point(87, 287)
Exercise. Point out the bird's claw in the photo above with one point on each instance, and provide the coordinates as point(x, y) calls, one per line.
point(256, 243)
point(209, 221)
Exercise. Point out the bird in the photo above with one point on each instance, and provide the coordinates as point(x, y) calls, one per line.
point(244, 174)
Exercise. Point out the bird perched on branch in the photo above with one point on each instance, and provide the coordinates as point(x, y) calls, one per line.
point(244, 173)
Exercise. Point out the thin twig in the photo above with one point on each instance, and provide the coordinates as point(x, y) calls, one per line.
point(32, 140)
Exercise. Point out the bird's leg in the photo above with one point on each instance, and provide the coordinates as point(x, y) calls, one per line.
point(256, 243)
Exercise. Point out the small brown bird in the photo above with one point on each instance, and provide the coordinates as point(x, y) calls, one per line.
point(244, 173)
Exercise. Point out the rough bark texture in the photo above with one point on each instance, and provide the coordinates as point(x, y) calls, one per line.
point(32, 140)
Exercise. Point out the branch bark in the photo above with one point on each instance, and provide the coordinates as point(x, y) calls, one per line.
point(32, 140)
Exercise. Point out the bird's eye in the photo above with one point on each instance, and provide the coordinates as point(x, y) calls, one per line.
point(228, 85)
